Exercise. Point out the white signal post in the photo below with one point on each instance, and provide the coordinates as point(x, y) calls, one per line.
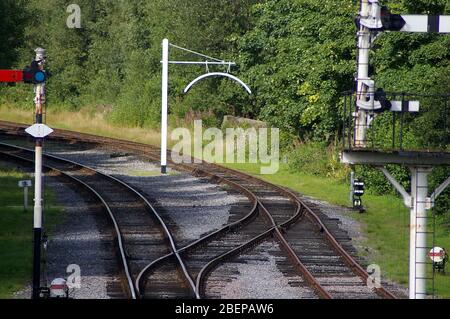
point(38, 131)
point(165, 87)
point(372, 22)
point(364, 43)
point(370, 25)
point(418, 202)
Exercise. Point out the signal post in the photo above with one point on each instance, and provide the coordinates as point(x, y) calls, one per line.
point(374, 19)
point(35, 74)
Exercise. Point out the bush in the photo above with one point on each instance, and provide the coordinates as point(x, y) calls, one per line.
point(317, 158)
point(438, 176)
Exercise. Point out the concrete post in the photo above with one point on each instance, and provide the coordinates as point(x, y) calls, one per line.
point(418, 233)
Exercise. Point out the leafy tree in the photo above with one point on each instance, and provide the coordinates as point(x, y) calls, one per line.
point(12, 21)
point(299, 57)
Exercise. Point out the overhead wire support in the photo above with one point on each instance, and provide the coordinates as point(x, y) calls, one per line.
point(165, 86)
point(196, 53)
point(202, 62)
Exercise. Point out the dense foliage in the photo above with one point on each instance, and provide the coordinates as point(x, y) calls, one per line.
point(297, 55)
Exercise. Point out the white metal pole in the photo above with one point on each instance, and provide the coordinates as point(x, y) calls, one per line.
point(352, 180)
point(164, 99)
point(412, 237)
point(37, 218)
point(418, 236)
point(364, 37)
point(38, 187)
point(37, 221)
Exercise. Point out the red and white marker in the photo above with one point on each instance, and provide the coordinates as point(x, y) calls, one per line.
point(437, 254)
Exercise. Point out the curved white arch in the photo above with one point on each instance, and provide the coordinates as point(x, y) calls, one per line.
point(201, 77)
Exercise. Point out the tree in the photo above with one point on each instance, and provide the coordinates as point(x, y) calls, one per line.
point(299, 57)
point(12, 21)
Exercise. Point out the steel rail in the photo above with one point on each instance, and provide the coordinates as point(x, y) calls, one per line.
point(140, 280)
point(321, 226)
point(273, 229)
point(162, 224)
point(118, 234)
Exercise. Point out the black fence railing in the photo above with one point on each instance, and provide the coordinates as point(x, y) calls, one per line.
point(397, 121)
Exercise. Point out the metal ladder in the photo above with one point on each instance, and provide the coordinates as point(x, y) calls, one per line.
point(430, 237)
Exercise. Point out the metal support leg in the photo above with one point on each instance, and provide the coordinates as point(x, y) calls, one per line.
point(37, 221)
point(418, 236)
point(418, 203)
point(352, 180)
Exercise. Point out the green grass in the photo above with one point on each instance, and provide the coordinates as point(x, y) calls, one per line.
point(386, 222)
point(16, 232)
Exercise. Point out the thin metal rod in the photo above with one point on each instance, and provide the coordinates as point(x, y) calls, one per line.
point(344, 126)
point(25, 198)
point(201, 62)
point(193, 52)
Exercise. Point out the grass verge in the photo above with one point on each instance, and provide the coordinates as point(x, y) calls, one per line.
point(84, 121)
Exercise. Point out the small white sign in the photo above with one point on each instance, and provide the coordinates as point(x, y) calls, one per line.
point(39, 130)
point(26, 183)
point(413, 106)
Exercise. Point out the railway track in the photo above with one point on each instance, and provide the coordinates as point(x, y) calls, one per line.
point(140, 233)
point(315, 253)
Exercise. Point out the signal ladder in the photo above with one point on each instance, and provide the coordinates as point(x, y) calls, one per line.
point(423, 236)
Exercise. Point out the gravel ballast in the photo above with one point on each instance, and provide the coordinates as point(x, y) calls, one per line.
point(83, 239)
point(257, 276)
point(194, 206)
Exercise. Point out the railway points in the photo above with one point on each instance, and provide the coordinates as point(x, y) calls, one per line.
point(274, 213)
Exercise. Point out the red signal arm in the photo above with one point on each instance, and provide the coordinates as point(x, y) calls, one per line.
point(11, 75)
